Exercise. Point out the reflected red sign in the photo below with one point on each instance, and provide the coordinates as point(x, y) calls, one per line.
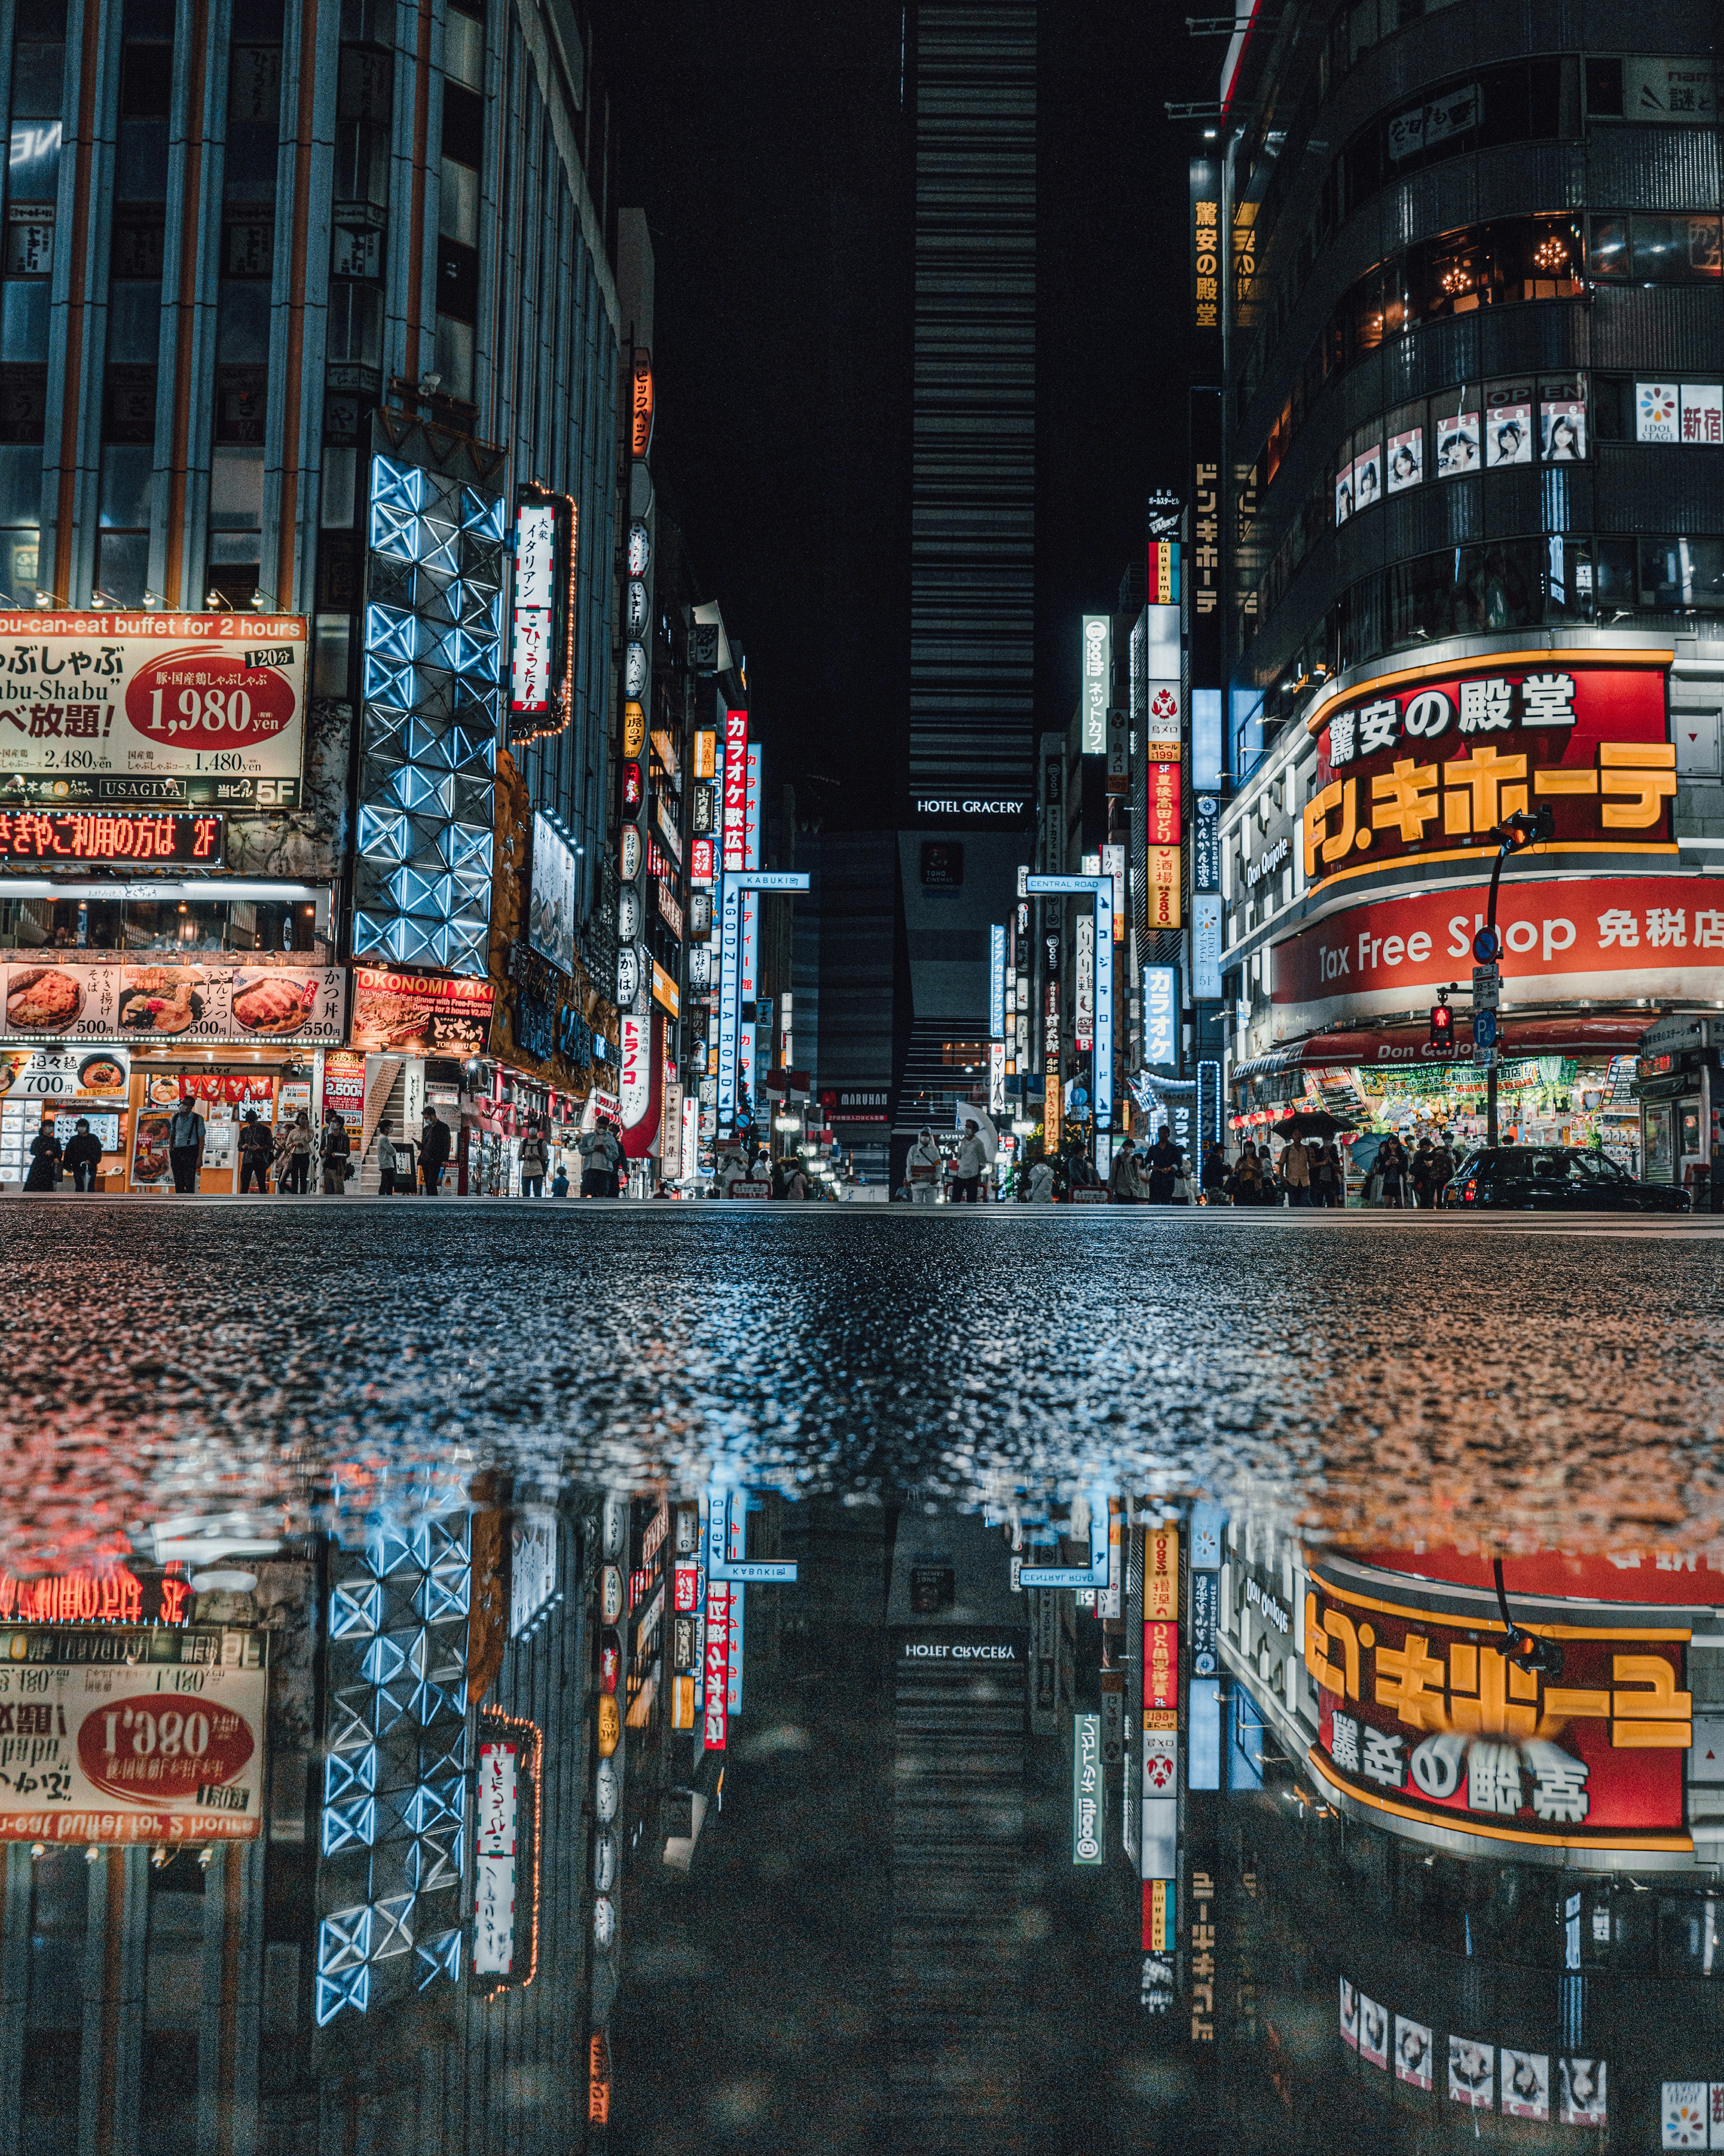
point(1421, 1718)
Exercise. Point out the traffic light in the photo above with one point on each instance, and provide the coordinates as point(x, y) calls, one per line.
point(1521, 831)
point(1442, 1028)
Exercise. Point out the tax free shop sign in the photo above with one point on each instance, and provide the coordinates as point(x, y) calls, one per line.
point(1595, 939)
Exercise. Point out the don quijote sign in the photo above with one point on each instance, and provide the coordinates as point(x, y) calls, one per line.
point(1418, 764)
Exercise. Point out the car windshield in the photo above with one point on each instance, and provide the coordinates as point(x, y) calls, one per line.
point(1550, 1164)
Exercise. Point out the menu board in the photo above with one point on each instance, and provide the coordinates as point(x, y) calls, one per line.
point(344, 1091)
point(67, 1077)
point(150, 1751)
point(149, 695)
point(181, 1003)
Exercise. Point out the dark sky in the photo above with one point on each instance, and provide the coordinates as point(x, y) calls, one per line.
point(769, 147)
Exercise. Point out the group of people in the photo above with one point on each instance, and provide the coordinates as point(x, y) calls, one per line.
point(1308, 1172)
point(1158, 1174)
point(80, 1157)
point(927, 1167)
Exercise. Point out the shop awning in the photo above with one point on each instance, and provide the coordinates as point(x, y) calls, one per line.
point(1602, 1033)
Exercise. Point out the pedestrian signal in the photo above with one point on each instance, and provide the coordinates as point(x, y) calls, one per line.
point(1442, 1026)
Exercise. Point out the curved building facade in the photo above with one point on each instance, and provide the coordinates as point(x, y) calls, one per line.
point(1474, 362)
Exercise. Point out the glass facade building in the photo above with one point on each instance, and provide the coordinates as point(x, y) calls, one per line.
point(1472, 348)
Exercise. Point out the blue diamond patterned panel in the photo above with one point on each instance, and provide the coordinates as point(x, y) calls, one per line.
point(353, 1608)
point(440, 1956)
point(350, 1826)
point(351, 1988)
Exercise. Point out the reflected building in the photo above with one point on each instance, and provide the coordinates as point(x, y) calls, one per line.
point(1472, 1873)
point(343, 1936)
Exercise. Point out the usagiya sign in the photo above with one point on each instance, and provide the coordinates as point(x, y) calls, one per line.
point(1422, 763)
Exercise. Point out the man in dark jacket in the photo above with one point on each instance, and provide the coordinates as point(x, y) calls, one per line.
point(337, 1151)
point(1164, 1166)
point(185, 1147)
point(433, 1152)
point(83, 1156)
point(256, 1143)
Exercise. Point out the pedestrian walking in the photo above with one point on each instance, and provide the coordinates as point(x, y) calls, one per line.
point(796, 1181)
point(1163, 1167)
point(1391, 1164)
point(1214, 1174)
point(1443, 1167)
point(534, 1157)
point(185, 1146)
point(434, 1152)
point(293, 1156)
point(256, 1142)
point(335, 1151)
point(1041, 1184)
point(1423, 1172)
point(83, 1156)
point(1296, 1172)
point(921, 1170)
point(1122, 1184)
point(45, 1158)
point(599, 1155)
point(1323, 1170)
point(386, 1163)
point(970, 1165)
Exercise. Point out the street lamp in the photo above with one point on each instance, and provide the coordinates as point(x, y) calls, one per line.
point(1517, 834)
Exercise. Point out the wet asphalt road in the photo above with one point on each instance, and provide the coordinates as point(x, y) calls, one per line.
point(1548, 1379)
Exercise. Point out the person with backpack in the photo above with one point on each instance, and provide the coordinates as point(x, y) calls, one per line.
point(532, 1163)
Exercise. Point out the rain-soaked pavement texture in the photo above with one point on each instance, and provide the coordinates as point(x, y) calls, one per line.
point(1379, 1376)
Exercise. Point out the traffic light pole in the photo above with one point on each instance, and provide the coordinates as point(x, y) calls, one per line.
point(1517, 833)
point(1502, 854)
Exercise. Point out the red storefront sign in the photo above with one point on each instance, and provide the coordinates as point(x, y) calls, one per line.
point(1644, 937)
point(1161, 1668)
point(687, 1589)
point(1416, 764)
point(1421, 1718)
point(718, 1667)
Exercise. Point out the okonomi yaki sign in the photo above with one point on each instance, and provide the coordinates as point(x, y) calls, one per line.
point(96, 1748)
point(153, 695)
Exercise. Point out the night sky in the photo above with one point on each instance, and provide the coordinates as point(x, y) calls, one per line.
point(770, 148)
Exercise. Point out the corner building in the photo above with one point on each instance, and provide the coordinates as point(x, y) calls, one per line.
point(1474, 340)
point(299, 307)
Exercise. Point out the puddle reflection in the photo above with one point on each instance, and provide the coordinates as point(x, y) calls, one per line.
point(652, 1819)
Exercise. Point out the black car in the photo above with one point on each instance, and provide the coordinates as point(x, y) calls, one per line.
point(1557, 1179)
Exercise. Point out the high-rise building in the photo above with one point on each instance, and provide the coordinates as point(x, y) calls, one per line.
point(1468, 284)
point(973, 537)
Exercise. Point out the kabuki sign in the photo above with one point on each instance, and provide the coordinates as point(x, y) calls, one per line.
point(149, 695)
point(1426, 1721)
point(1410, 764)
